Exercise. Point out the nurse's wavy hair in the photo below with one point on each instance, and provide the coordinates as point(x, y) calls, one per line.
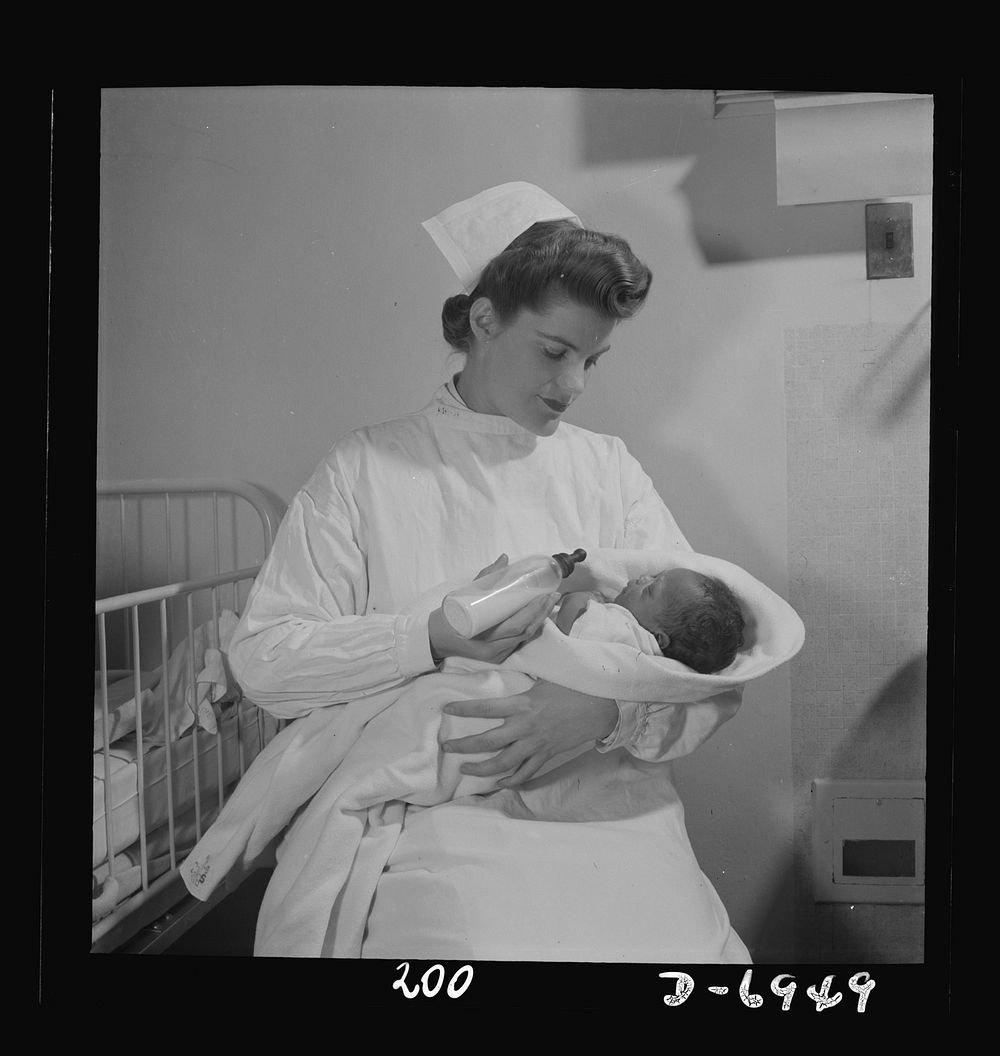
point(553, 261)
point(706, 632)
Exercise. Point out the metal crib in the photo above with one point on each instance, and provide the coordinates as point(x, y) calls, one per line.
point(171, 577)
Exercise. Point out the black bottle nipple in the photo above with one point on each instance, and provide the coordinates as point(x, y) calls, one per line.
point(568, 561)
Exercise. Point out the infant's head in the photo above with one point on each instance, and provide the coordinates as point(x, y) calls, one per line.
point(695, 619)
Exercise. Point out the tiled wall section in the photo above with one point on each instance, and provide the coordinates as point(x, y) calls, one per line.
point(858, 414)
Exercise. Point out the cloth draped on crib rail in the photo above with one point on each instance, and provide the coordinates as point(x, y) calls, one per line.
point(171, 706)
point(344, 775)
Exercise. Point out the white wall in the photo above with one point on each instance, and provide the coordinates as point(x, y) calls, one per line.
point(266, 286)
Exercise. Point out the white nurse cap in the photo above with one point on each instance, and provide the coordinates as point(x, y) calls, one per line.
point(471, 233)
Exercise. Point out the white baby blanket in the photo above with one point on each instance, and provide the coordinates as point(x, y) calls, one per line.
point(352, 767)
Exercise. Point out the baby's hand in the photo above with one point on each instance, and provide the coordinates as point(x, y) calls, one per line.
point(570, 609)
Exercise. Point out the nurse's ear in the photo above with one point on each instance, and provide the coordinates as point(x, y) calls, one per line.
point(483, 319)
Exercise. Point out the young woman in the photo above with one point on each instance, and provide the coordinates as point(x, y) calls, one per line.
point(489, 467)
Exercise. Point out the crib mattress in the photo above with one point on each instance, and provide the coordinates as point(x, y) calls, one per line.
point(158, 845)
point(128, 863)
point(256, 727)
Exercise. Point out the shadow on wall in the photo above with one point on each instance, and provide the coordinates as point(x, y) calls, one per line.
point(732, 188)
point(891, 727)
point(875, 933)
point(888, 397)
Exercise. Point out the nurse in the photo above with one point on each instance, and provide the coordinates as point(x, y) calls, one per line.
point(491, 467)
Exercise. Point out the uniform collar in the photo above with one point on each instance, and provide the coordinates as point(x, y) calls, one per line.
point(448, 407)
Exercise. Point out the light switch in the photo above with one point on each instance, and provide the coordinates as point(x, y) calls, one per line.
point(889, 240)
point(868, 841)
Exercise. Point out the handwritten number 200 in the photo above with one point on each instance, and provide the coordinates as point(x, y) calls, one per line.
point(455, 988)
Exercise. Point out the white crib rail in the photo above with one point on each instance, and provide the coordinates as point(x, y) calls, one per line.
point(145, 908)
point(194, 486)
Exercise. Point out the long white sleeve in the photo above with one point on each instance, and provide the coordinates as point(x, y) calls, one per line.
point(657, 732)
point(302, 641)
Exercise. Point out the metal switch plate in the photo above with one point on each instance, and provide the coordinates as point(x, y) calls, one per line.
point(889, 240)
point(868, 841)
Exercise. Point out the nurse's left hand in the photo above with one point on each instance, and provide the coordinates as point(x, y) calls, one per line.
point(537, 725)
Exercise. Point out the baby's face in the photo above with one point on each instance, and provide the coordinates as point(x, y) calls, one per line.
point(648, 597)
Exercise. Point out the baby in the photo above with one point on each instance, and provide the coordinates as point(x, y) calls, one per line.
point(679, 613)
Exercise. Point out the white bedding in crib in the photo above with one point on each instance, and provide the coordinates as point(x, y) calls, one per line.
point(257, 727)
point(127, 877)
point(121, 698)
point(202, 653)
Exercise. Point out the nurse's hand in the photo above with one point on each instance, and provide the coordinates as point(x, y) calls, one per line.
point(537, 725)
point(495, 644)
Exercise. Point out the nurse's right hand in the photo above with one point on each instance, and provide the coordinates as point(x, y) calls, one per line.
point(495, 644)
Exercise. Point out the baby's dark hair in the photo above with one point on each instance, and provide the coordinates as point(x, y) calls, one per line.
point(706, 633)
point(553, 260)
